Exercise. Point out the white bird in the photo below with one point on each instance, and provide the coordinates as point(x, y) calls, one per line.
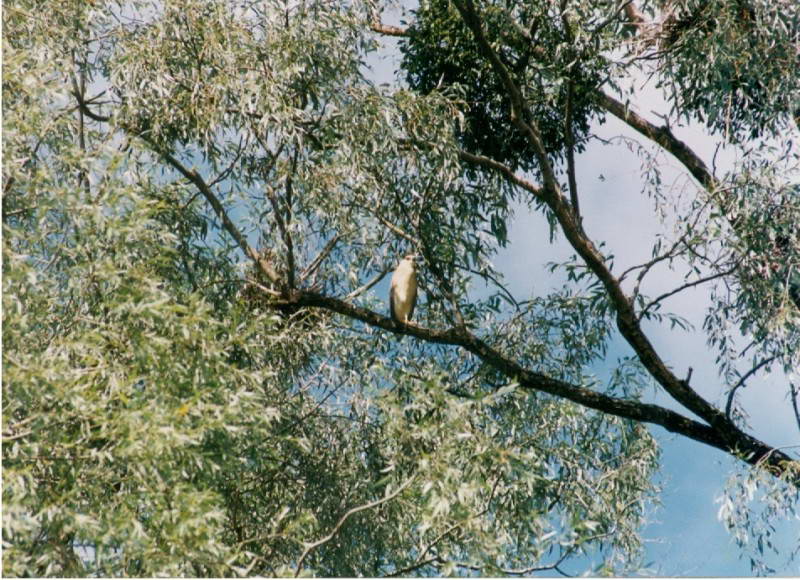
point(403, 292)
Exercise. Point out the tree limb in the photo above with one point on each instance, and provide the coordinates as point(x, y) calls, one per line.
point(627, 321)
point(344, 518)
point(742, 381)
point(683, 287)
point(750, 449)
point(661, 135)
point(634, 15)
point(387, 29)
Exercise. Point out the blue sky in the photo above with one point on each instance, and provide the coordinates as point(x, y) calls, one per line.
point(685, 538)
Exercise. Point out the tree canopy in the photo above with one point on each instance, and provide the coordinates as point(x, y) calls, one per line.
point(202, 200)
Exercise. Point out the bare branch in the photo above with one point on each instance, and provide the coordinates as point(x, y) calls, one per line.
point(634, 15)
point(83, 104)
point(397, 230)
point(344, 518)
point(360, 290)
point(795, 406)
point(742, 381)
point(386, 29)
point(317, 262)
point(263, 288)
point(661, 135)
point(683, 287)
point(506, 171)
point(15, 436)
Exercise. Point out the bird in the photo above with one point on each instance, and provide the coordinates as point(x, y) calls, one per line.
point(403, 291)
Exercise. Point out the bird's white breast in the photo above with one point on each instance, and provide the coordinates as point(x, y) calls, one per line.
point(404, 289)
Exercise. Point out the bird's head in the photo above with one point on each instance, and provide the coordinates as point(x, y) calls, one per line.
point(410, 259)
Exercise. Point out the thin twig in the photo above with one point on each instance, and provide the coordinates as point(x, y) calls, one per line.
point(742, 380)
point(359, 291)
point(317, 262)
point(345, 517)
point(683, 287)
point(397, 230)
point(793, 391)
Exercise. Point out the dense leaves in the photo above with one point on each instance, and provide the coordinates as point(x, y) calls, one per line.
point(176, 176)
point(554, 59)
point(740, 86)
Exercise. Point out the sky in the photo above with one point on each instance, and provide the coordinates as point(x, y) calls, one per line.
point(685, 537)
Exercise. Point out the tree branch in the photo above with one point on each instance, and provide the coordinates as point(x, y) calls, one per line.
point(569, 134)
point(387, 29)
point(627, 321)
point(661, 135)
point(344, 518)
point(742, 381)
point(634, 15)
point(218, 208)
point(505, 170)
point(683, 287)
point(795, 406)
point(737, 443)
point(317, 262)
point(361, 289)
point(202, 187)
point(519, 112)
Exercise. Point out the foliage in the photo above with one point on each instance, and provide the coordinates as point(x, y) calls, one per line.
point(739, 87)
point(556, 60)
point(756, 511)
point(199, 200)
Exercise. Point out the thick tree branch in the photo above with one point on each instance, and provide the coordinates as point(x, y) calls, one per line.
point(661, 135)
point(569, 133)
point(572, 180)
point(627, 320)
point(506, 171)
point(519, 109)
point(719, 433)
point(387, 29)
point(750, 449)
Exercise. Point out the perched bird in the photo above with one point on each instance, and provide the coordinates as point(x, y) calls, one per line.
point(403, 292)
